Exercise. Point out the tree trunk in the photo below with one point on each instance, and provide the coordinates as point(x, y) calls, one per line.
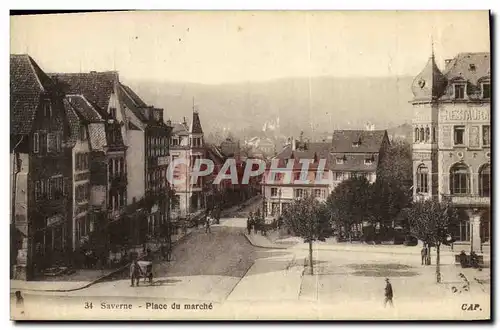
point(428, 258)
point(438, 266)
point(311, 256)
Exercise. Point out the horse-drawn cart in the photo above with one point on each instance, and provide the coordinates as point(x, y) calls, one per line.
point(146, 270)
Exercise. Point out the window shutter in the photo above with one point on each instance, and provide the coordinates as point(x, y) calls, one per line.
point(36, 143)
point(50, 142)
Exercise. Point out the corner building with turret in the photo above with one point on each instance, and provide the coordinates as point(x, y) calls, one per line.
point(452, 141)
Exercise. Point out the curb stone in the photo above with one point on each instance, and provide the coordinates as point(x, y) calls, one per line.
point(264, 246)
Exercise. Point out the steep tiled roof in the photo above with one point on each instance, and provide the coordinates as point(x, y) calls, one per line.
point(137, 100)
point(97, 136)
point(460, 67)
point(129, 102)
point(22, 112)
point(196, 124)
point(84, 108)
point(73, 120)
point(308, 150)
point(345, 141)
point(27, 77)
point(27, 83)
point(97, 87)
point(430, 83)
point(180, 129)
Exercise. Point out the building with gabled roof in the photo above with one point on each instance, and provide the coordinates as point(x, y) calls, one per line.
point(350, 153)
point(40, 156)
point(452, 142)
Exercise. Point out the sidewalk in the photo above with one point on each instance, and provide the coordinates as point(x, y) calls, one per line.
point(264, 242)
point(94, 276)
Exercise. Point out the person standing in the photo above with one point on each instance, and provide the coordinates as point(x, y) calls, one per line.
point(423, 254)
point(207, 225)
point(135, 272)
point(388, 293)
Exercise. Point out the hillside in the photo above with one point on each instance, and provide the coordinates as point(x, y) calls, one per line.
point(323, 103)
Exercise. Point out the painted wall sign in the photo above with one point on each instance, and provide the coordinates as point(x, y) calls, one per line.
point(467, 114)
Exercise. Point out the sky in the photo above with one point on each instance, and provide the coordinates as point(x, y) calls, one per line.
point(226, 47)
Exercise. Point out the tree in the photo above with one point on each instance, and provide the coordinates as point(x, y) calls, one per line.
point(392, 190)
point(309, 219)
point(429, 221)
point(350, 203)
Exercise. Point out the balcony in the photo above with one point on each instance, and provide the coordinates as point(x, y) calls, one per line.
point(467, 200)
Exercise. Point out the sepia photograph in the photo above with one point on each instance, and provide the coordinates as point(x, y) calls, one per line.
point(250, 165)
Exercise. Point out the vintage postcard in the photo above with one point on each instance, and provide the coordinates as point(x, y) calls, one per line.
point(250, 165)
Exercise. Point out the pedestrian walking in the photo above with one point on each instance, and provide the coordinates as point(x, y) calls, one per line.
point(249, 223)
point(19, 302)
point(424, 253)
point(135, 272)
point(388, 293)
point(207, 225)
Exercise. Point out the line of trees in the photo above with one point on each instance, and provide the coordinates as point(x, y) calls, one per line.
point(355, 202)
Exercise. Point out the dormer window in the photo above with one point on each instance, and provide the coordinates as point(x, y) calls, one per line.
point(340, 160)
point(368, 161)
point(356, 144)
point(112, 112)
point(485, 90)
point(459, 91)
point(472, 67)
point(83, 133)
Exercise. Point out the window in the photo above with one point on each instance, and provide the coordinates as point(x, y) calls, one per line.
point(323, 193)
point(486, 135)
point(486, 90)
point(274, 192)
point(38, 190)
point(58, 142)
point(421, 135)
point(459, 179)
point(427, 134)
point(459, 135)
point(122, 166)
point(110, 167)
point(317, 193)
point(434, 137)
point(339, 176)
point(417, 134)
point(485, 181)
point(459, 91)
point(43, 142)
point(47, 111)
point(339, 160)
point(83, 133)
point(56, 187)
point(422, 179)
point(299, 193)
point(36, 143)
point(51, 142)
point(112, 112)
point(368, 161)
